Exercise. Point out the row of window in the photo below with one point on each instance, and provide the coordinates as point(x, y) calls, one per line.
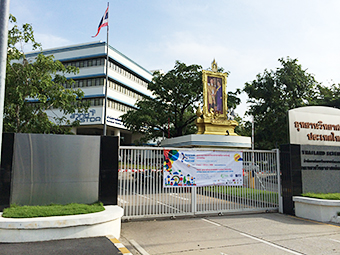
point(95, 101)
point(127, 74)
point(110, 104)
point(86, 63)
point(86, 83)
point(102, 62)
point(100, 82)
point(124, 90)
point(118, 106)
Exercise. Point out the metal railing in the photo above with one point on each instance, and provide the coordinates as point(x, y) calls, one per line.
point(141, 192)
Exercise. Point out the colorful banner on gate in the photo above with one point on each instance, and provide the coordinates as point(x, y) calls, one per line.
point(202, 168)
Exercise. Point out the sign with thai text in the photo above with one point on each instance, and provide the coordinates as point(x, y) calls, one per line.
point(314, 125)
point(202, 168)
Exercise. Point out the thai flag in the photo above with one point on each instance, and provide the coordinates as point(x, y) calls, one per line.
point(104, 21)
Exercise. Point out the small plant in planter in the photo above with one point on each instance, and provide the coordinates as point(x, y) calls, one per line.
point(330, 196)
point(15, 211)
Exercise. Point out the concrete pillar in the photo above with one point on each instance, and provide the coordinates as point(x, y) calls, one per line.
point(74, 130)
point(116, 132)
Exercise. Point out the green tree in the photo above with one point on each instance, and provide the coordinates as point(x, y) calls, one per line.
point(36, 85)
point(174, 95)
point(272, 94)
point(328, 96)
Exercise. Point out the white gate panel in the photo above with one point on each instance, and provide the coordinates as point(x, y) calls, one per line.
point(141, 191)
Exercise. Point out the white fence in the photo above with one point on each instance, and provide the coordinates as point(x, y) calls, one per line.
point(141, 191)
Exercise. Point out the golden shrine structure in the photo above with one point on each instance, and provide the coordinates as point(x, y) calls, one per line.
point(213, 120)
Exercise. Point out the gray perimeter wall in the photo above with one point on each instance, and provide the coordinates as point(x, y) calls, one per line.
point(320, 181)
point(55, 169)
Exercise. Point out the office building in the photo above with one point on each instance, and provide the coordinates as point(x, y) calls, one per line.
point(127, 83)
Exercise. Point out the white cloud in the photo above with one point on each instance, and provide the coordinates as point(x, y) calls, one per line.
point(51, 41)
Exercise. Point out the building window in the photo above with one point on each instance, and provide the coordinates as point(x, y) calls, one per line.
point(127, 74)
point(110, 104)
point(86, 62)
point(118, 106)
point(91, 82)
point(124, 90)
point(86, 83)
point(94, 101)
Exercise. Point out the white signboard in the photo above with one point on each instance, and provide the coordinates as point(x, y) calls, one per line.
point(314, 125)
point(93, 116)
point(202, 168)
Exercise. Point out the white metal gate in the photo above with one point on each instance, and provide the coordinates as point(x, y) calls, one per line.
point(141, 192)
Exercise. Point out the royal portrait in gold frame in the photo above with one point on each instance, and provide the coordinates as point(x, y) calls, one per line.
point(214, 94)
point(213, 120)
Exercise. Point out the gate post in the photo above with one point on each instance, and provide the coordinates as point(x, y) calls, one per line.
point(194, 200)
point(278, 172)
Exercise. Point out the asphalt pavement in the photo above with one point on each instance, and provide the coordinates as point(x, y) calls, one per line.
point(255, 234)
point(81, 246)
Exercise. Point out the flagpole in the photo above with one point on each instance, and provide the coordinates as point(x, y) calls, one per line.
point(107, 73)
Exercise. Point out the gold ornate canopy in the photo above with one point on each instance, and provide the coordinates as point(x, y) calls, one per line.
point(213, 120)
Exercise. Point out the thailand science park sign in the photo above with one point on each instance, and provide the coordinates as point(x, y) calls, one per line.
point(202, 168)
point(94, 116)
point(315, 132)
point(314, 125)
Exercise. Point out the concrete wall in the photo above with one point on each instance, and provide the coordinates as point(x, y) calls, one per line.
point(39, 169)
point(320, 181)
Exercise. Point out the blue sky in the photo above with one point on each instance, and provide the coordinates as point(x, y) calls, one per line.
point(244, 36)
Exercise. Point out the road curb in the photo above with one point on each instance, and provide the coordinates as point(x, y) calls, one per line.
point(119, 245)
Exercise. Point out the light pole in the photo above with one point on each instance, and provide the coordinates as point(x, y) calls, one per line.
point(4, 12)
